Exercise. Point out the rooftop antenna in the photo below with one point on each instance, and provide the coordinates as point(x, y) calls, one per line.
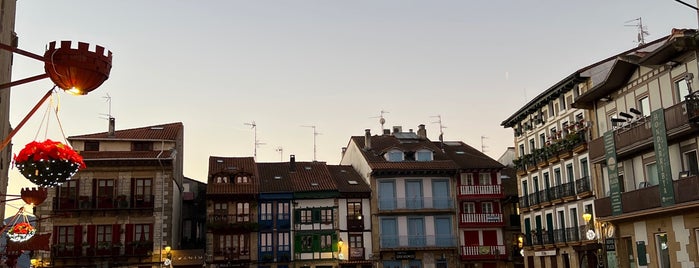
point(108, 99)
point(281, 153)
point(256, 142)
point(441, 127)
point(483, 144)
point(642, 30)
point(382, 120)
point(315, 133)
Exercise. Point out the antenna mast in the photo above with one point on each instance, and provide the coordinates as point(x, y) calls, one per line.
point(256, 143)
point(315, 134)
point(642, 30)
point(382, 120)
point(483, 144)
point(109, 105)
point(441, 127)
point(281, 153)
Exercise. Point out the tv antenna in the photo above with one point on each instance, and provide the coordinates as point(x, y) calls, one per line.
point(256, 142)
point(315, 134)
point(441, 127)
point(642, 30)
point(382, 120)
point(281, 153)
point(108, 99)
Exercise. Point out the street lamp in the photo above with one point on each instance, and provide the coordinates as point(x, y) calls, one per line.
point(168, 257)
point(587, 217)
point(339, 249)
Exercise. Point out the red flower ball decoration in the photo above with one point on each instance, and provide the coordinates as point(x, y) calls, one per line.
point(48, 163)
point(21, 232)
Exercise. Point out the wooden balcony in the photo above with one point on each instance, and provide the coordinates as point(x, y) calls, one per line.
point(103, 203)
point(355, 223)
point(236, 223)
point(497, 252)
point(637, 136)
point(481, 220)
point(481, 192)
point(686, 190)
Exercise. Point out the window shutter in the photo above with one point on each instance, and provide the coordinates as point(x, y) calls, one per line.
point(297, 243)
point(316, 215)
point(297, 216)
point(335, 241)
point(56, 235)
point(316, 242)
point(116, 233)
point(91, 235)
point(78, 238)
point(150, 232)
point(129, 233)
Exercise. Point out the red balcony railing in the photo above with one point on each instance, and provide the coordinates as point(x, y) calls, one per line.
point(481, 191)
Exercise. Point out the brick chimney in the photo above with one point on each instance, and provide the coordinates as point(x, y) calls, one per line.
point(110, 133)
point(292, 163)
point(367, 139)
point(421, 131)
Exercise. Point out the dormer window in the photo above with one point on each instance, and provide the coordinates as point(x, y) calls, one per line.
point(242, 179)
point(92, 146)
point(221, 179)
point(142, 146)
point(424, 155)
point(394, 156)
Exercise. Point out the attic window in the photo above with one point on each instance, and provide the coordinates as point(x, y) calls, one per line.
point(314, 184)
point(343, 171)
point(157, 128)
point(92, 146)
point(353, 182)
point(277, 177)
point(423, 155)
point(231, 168)
point(219, 160)
point(142, 146)
point(394, 156)
point(307, 168)
point(460, 152)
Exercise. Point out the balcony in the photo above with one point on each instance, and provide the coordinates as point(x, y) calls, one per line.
point(571, 235)
point(483, 252)
point(637, 136)
point(103, 203)
point(481, 220)
point(686, 190)
point(357, 254)
point(419, 203)
point(481, 192)
point(232, 223)
point(557, 148)
point(417, 241)
point(355, 223)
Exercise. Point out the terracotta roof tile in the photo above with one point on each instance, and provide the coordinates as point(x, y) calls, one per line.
point(348, 180)
point(381, 144)
point(110, 155)
point(230, 167)
point(275, 178)
point(312, 176)
point(157, 132)
point(467, 157)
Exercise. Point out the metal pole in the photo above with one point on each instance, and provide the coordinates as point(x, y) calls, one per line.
point(14, 130)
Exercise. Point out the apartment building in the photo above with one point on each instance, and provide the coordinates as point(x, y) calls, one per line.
point(645, 155)
point(415, 216)
point(124, 207)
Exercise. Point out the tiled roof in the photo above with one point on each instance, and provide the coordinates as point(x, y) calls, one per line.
point(232, 166)
point(312, 176)
point(467, 157)
point(381, 144)
point(348, 180)
point(123, 155)
point(157, 132)
point(275, 178)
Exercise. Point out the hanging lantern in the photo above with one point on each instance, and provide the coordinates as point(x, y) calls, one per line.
point(48, 163)
point(34, 196)
point(77, 71)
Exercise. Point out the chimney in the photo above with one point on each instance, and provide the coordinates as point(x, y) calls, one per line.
point(421, 131)
point(386, 132)
point(367, 139)
point(344, 150)
point(397, 129)
point(110, 133)
point(292, 163)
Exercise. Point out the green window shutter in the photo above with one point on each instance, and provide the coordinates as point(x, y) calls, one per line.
point(316, 242)
point(297, 216)
point(335, 241)
point(316, 215)
point(297, 243)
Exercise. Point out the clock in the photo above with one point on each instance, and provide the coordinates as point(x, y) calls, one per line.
point(590, 234)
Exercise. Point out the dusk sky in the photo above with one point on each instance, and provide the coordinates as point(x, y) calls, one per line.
point(217, 65)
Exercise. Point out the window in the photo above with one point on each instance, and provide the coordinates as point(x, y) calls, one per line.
point(469, 207)
point(105, 189)
point(663, 247)
point(356, 241)
point(584, 171)
point(466, 178)
point(242, 179)
point(682, 89)
point(284, 243)
point(326, 216)
point(142, 146)
point(283, 211)
point(569, 172)
point(307, 243)
point(690, 162)
point(525, 190)
point(66, 234)
point(487, 207)
point(243, 211)
point(266, 211)
point(326, 242)
point(220, 211)
point(221, 179)
point(542, 139)
point(394, 156)
point(69, 189)
point(644, 106)
point(557, 176)
point(551, 112)
point(266, 242)
point(484, 179)
point(104, 236)
point(652, 174)
point(142, 232)
point(306, 216)
point(143, 189)
point(92, 146)
point(562, 103)
point(354, 209)
point(521, 150)
point(424, 155)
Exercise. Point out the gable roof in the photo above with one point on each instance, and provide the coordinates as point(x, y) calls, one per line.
point(381, 144)
point(467, 157)
point(348, 180)
point(156, 132)
point(231, 167)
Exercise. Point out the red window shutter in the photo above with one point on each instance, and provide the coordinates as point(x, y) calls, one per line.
point(496, 207)
point(150, 234)
point(91, 234)
point(78, 235)
point(129, 233)
point(116, 233)
point(55, 236)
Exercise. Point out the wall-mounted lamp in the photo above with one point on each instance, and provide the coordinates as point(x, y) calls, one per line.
point(626, 115)
point(339, 249)
point(635, 111)
point(359, 216)
point(587, 217)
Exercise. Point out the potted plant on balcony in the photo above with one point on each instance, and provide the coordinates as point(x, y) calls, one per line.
point(48, 163)
point(122, 202)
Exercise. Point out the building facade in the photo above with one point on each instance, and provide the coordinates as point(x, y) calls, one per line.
point(417, 200)
point(645, 155)
point(124, 208)
point(8, 37)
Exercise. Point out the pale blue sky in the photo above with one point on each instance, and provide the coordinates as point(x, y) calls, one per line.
point(215, 65)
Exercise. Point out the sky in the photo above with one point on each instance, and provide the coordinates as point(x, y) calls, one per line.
point(217, 66)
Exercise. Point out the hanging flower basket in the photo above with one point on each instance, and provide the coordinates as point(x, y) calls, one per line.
point(48, 163)
point(21, 232)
